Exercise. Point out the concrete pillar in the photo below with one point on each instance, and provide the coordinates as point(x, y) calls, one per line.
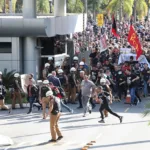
point(29, 8)
point(60, 8)
point(10, 6)
point(29, 55)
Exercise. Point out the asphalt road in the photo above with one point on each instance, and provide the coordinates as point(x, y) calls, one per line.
point(30, 132)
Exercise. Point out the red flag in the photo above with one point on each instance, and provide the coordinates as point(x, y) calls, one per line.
point(114, 28)
point(134, 41)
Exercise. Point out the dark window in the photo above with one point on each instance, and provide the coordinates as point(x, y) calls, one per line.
point(5, 47)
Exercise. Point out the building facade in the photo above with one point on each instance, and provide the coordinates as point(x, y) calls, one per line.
point(27, 40)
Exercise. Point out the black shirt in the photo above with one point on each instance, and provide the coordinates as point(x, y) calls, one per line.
point(104, 97)
point(131, 77)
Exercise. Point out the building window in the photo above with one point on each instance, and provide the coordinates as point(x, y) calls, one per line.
point(5, 47)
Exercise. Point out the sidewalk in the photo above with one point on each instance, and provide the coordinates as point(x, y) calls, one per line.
point(5, 141)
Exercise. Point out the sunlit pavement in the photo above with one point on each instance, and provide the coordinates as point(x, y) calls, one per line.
point(30, 132)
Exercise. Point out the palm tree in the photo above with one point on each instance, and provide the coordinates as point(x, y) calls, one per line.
point(8, 77)
point(140, 9)
point(124, 7)
point(94, 7)
point(74, 6)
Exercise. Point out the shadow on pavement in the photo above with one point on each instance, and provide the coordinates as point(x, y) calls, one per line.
point(120, 144)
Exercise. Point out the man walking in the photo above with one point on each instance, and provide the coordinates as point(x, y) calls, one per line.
point(87, 89)
point(54, 112)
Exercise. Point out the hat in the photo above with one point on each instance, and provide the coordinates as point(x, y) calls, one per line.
point(49, 93)
point(103, 80)
point(72, 69)
point(67, 56)
point(16, 75)
point(45, 82)
point(60, 71)
point(81, 63)
point(47, 65)
point(57, 64)
point(50, 58)
point(49, 75)
point(75, 58)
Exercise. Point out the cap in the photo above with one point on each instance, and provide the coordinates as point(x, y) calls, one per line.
point(49, 93)
point(45, 82)
point(47, 65)
point(1, 73)
point(16, 75)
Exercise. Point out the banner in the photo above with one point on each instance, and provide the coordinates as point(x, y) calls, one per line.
point(100, 19)
point(126, 57)
point(125, 50)
point(103, 43)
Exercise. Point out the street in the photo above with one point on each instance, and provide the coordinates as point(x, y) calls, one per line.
point(30, 132)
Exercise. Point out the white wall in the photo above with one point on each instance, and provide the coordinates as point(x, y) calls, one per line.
point(64, 25)
point(11, 61)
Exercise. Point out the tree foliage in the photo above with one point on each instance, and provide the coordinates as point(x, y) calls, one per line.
point(75, 6)
point(43, 6)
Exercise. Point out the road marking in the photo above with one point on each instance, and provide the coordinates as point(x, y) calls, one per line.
point(99, 136)
point(126, 109)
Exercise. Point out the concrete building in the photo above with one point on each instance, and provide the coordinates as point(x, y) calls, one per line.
point(26, 40)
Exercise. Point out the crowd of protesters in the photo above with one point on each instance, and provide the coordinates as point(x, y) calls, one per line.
point(103, 81)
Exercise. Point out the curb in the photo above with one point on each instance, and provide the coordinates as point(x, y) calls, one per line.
point(5, 141)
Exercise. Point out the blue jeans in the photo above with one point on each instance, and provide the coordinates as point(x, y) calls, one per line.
point(132, 93)
point(65, 106)
point(31, 101)
point(145, 88)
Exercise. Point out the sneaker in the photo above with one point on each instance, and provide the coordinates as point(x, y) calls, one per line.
point(84, 115)
point(59, 138)
point(52, 140)
point(90, 111)
point(121, 118)
point(29, 112)
point(101, 121)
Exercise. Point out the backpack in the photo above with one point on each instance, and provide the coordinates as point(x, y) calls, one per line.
point(44, 89)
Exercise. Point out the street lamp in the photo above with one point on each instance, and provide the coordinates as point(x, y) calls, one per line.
point(50, 4)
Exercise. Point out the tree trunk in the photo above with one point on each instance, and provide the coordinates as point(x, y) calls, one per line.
point(94, 12)
point(135, 2)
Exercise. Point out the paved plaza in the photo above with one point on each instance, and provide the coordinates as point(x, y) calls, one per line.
point(30, 132)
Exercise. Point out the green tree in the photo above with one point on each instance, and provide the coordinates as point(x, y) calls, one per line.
point(123, 6)
point(140, 8)
point(43, 6)
point(2, 5)
point(19, 5)
point(94, 7)
point(75, 6)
